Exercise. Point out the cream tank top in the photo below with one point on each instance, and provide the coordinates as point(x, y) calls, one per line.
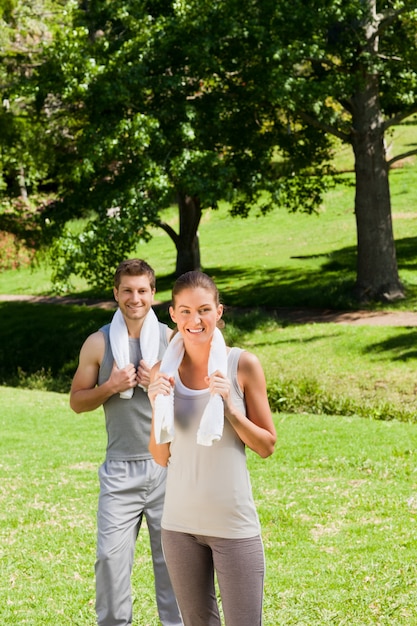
point(208, 489)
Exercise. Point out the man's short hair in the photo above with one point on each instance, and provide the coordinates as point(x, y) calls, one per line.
point(134, 267)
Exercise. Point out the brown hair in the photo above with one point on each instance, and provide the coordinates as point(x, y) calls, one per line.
point(192, 280)
point(134, 267)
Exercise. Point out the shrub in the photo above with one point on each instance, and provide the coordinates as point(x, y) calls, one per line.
point(13, 254)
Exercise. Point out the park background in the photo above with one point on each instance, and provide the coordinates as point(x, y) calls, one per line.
point(337, 500)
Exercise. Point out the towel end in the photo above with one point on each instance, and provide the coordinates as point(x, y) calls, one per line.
point(126, 395)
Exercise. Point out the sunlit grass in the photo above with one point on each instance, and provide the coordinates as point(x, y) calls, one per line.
point(337, 503)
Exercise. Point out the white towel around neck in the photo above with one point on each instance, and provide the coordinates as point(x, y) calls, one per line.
point(119, 342)
point(212, 420)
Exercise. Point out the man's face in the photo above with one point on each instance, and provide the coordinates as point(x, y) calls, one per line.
point(134, 296)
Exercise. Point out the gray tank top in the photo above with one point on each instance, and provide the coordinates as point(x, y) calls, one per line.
point(128, 422)
point(208, 490)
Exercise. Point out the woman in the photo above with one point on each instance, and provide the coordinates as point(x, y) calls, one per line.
point(210, 524)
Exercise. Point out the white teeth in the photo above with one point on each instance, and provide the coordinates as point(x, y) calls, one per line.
point(200, 330)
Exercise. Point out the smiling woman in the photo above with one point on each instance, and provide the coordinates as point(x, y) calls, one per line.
point(210, 523)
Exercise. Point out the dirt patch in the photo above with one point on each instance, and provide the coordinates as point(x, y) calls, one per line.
point(358, 318)
point(101, 304)
point(290, 315)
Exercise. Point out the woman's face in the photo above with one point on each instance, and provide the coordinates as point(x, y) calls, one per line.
point(196, 314)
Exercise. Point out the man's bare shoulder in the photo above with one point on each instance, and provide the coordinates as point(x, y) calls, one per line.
point(94, 346)
point(94, 338)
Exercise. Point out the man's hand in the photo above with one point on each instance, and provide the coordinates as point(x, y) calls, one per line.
point(122, 379)
point(143, 375)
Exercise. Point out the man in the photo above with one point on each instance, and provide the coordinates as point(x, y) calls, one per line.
point(131, 483)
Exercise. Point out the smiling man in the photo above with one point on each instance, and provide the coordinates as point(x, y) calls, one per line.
point(132, 485)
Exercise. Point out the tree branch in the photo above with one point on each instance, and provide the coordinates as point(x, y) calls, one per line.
point(397, 119)
point(402, 156)
point(306, 117)
point(387, 18)
point(169, 230)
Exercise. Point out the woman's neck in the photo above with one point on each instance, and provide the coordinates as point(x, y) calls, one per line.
point(194, 368)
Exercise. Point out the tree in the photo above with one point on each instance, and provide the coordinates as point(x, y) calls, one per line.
point(124, 121)
point(140, 117)
point(145, 103)
point(351, 72)
point(24, 27)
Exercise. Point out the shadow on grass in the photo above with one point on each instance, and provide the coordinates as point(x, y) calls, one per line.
point(402, 347)
point(329, 285)
point(44, 340)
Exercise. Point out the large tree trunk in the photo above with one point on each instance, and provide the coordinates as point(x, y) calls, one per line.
point(187, 242)
point(377, 270)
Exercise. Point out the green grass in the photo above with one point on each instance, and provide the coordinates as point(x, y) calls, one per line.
point(341, 521)
point(332, 368)
point(337, 502)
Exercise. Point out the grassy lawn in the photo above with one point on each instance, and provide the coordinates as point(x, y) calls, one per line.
point(337, 502)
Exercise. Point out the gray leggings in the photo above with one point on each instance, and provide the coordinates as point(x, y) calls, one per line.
point(239, 565)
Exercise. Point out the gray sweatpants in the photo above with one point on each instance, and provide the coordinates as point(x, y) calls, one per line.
point(239, 565)
point(128, 491)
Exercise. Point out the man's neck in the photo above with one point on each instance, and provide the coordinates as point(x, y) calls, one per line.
point(134, 327)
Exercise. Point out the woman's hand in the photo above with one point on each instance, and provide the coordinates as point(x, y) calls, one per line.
point(218, 383)
point(162, 384)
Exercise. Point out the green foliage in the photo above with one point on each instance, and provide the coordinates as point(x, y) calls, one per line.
point(43, 342)
point(134, 104)
point(24, 155)
point(310, 396)
point(138, 109)
point(93, 253)
point(336, 54)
